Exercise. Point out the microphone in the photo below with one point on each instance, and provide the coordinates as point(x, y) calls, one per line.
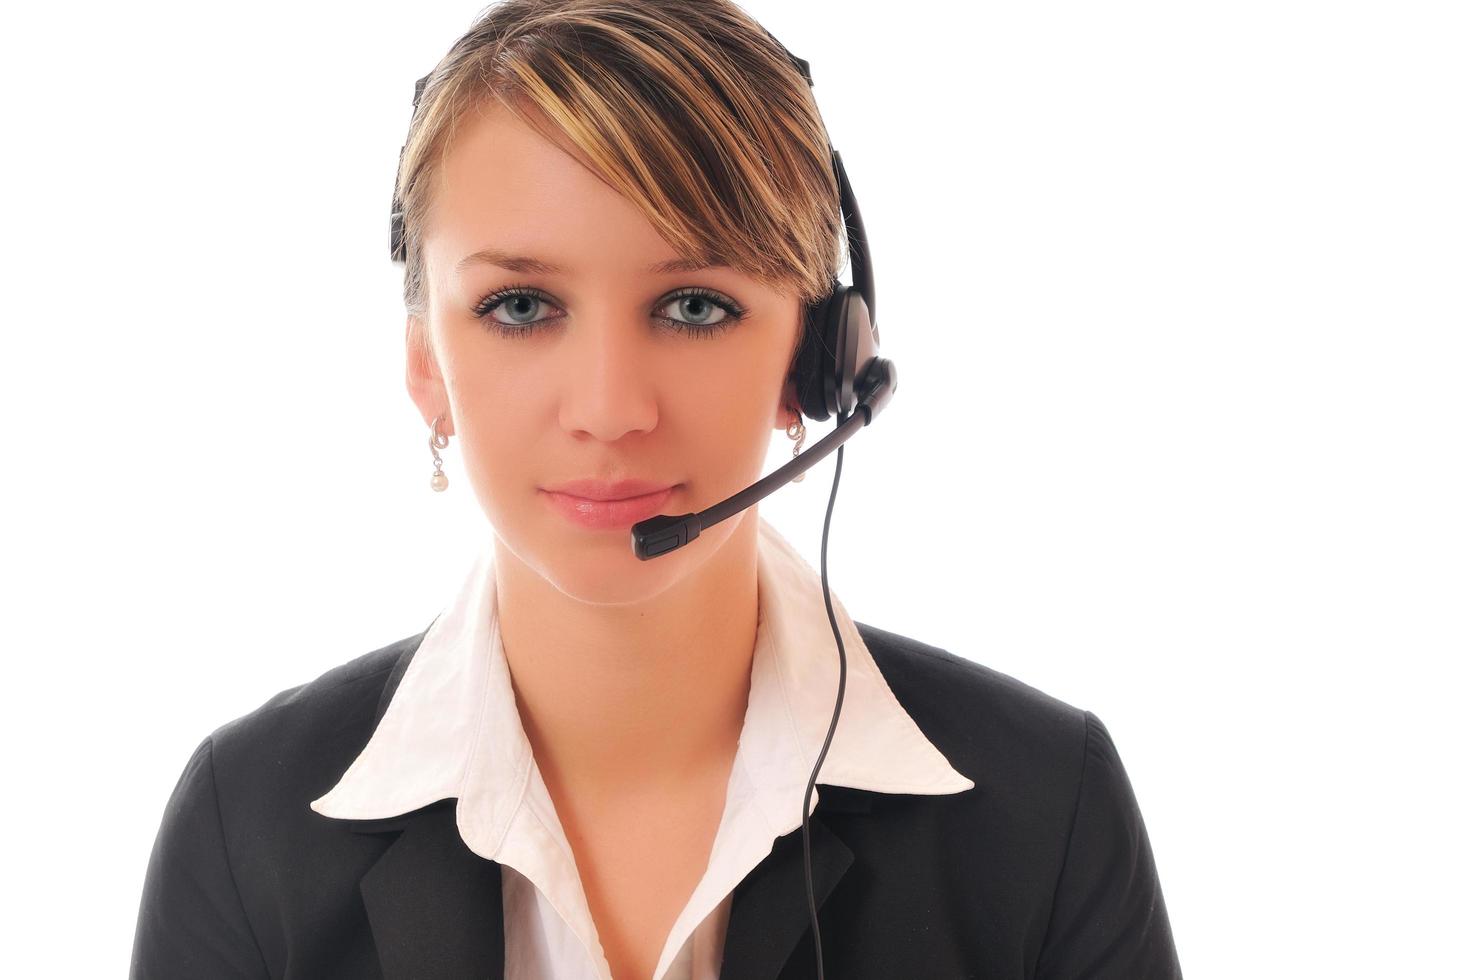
point(664, 533)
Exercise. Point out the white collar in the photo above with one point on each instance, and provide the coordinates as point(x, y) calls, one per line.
point(452, 728)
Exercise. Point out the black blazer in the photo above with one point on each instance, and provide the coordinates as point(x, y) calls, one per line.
point(1042, 870)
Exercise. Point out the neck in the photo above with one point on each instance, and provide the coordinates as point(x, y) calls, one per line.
point(645, 695)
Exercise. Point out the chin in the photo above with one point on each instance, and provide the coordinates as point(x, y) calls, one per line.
point(600, 568)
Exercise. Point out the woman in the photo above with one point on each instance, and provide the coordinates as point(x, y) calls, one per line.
point(613, 216)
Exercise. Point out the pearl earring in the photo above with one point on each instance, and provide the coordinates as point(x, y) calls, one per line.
point(438, 440)
point(796, 432)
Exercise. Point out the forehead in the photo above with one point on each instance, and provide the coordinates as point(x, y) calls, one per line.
point(504, 182)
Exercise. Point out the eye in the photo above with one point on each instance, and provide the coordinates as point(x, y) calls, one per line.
point(696, 311)
point(522, 303)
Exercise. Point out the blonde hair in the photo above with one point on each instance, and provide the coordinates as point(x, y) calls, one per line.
point(687, 108)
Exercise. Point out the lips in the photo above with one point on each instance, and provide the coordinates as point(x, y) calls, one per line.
point(610, 490)
point(614, 513)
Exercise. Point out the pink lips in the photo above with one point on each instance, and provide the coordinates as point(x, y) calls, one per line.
point(600, 506)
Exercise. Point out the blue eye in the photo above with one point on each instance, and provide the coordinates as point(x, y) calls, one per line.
point(701, 304)
point(522, 302)
point(694, 307)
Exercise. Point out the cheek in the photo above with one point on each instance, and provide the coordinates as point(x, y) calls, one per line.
point(494, 409)
point(725, 421)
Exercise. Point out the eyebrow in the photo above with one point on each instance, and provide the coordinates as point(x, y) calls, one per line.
point(532, 266)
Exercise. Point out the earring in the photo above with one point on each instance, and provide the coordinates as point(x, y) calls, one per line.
point(438, 440)
point(796, 431)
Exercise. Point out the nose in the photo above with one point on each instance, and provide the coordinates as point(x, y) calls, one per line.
point(608, 389)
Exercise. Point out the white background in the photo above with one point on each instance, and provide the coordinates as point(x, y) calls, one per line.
point(1182, 302)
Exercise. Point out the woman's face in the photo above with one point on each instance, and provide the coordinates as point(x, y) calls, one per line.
point(607, 370)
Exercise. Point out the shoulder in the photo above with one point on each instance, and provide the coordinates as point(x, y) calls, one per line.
point(239, 854)
point(936, 685)
point(307, 734)
point(1004, 734)
point(1052, 814)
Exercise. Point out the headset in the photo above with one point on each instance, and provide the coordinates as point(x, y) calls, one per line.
point(836, 371)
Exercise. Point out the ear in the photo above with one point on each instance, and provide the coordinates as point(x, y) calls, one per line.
point(789, 403)
point(423, 374)
point(788, 406)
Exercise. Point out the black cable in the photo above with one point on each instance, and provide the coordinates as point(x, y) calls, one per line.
point(840, 457)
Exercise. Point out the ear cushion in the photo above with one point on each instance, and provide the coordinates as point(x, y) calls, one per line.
point(816, 355)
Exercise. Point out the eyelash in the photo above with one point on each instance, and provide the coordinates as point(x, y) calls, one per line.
point(491, 301)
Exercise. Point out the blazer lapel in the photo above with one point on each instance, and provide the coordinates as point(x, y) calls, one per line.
point(771, 911)
point(434, 905)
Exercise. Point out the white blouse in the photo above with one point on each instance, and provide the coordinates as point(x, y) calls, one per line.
point(452, 729)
